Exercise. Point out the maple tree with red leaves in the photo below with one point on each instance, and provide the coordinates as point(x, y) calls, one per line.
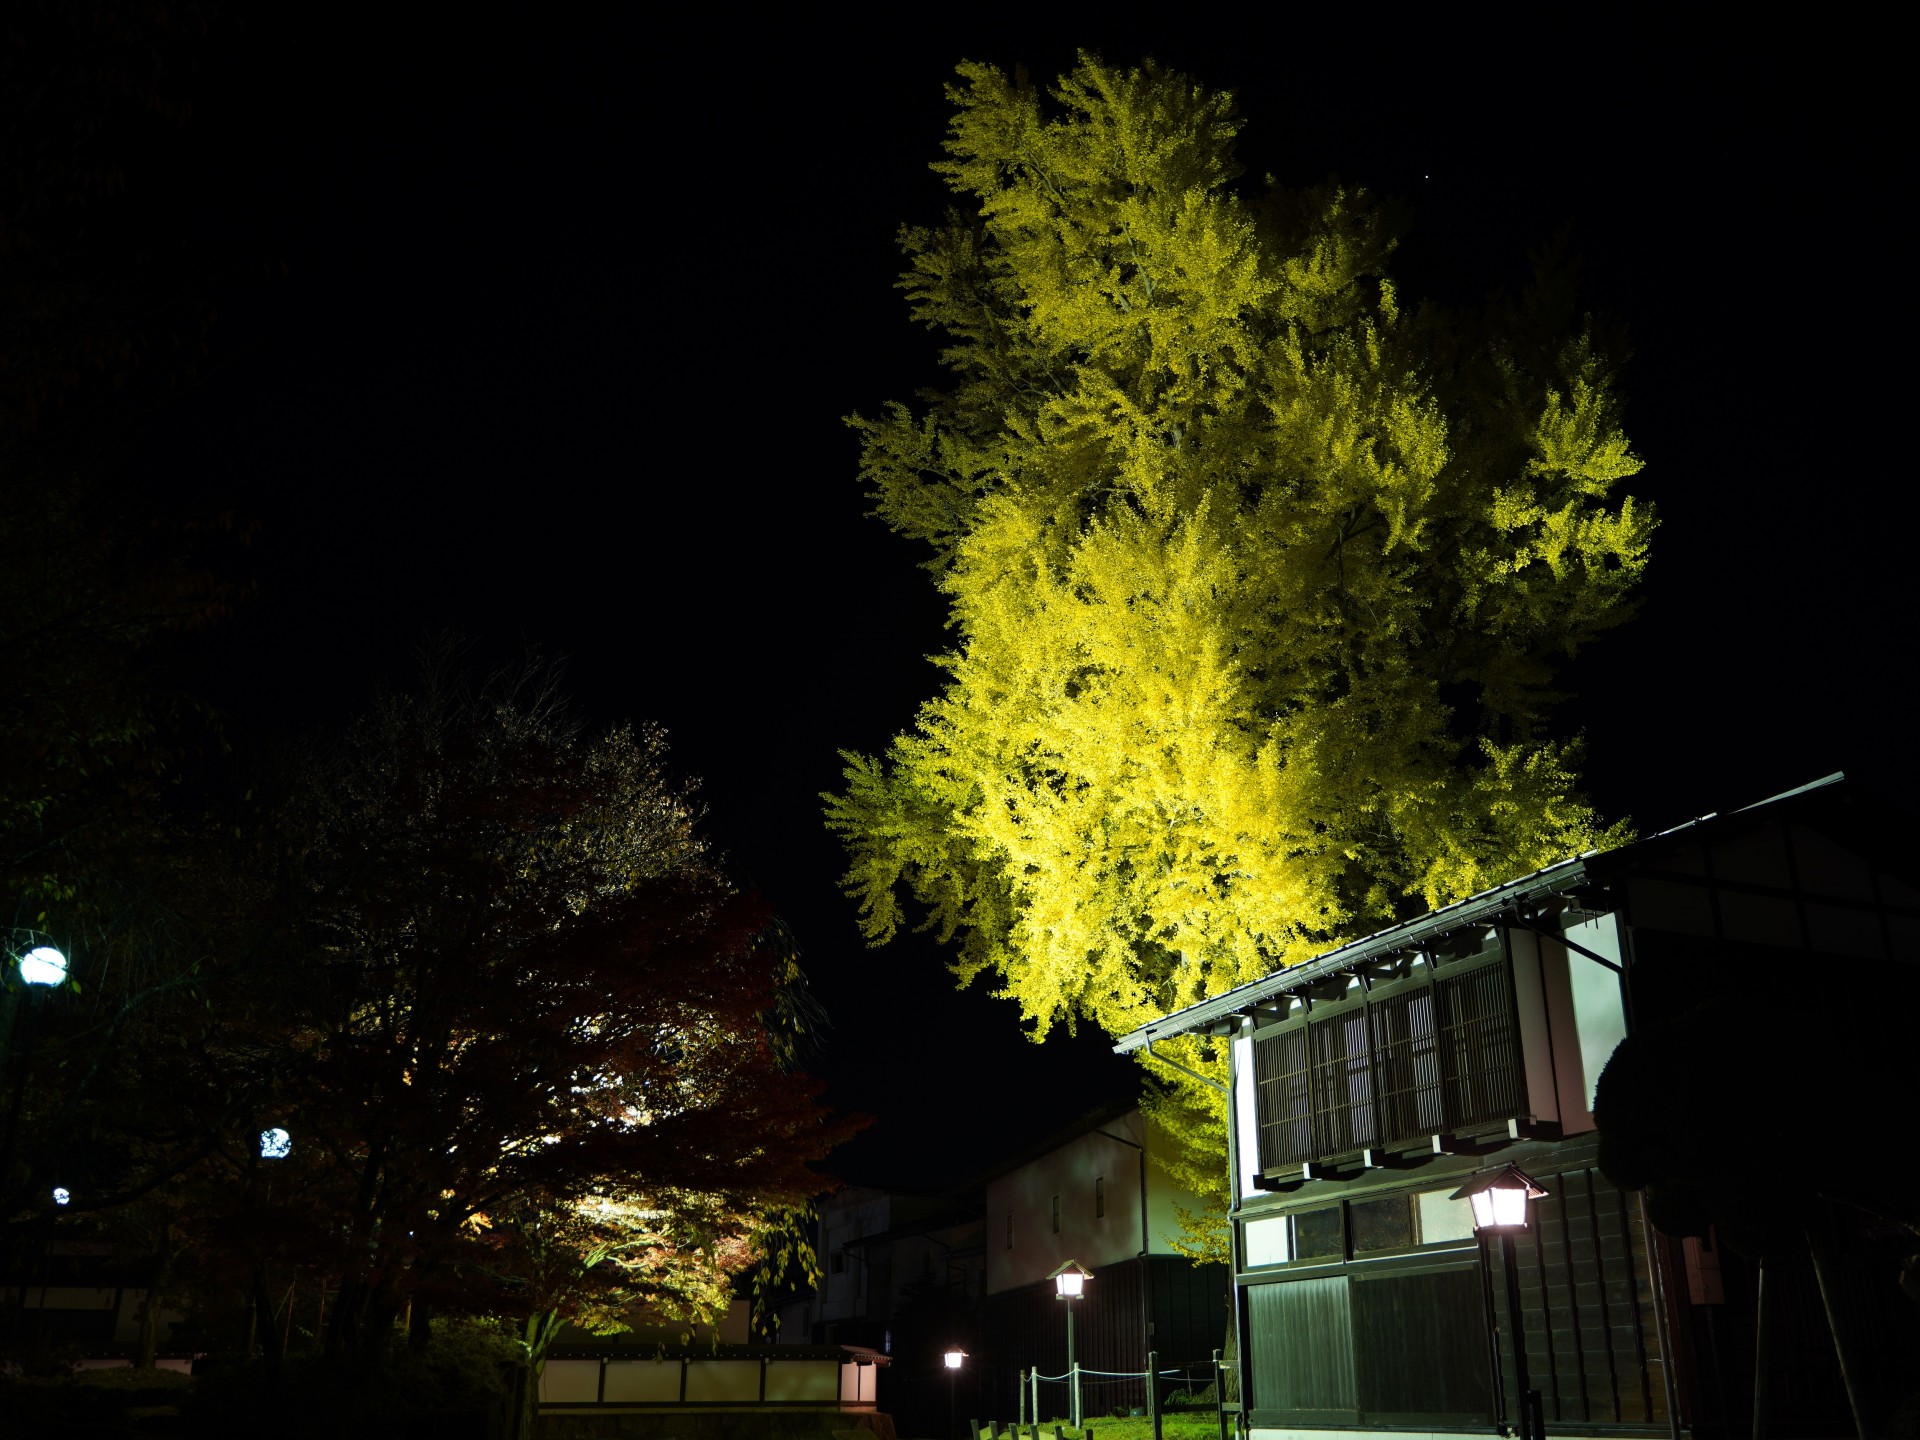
point(540, 1057)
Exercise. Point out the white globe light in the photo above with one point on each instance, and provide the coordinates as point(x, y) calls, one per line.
point(60, 1195)
point(275, 1144)
point(954, 1357)
point(43, 965)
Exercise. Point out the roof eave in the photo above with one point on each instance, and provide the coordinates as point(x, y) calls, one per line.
point(1562, 875)
point(1559, 877)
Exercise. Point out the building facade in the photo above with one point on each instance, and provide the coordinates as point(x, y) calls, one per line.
point(1368, 1085)
point(1094, 1195)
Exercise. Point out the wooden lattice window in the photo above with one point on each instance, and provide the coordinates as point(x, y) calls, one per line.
point(1418, 1059)
point(1481, 1076)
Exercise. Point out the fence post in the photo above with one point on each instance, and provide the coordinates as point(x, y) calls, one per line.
point(1020, 1402)
point(1153, 1391)
point(1220, 1394)
point(1034, 1409)
point(1074, 1398)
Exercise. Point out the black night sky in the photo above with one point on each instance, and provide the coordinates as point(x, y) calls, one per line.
point(544, 331)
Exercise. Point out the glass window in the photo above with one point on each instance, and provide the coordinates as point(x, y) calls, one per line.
point(1442, 1217)
point(1316, 1234)
point(1385, 1223)
point(1266, 1241)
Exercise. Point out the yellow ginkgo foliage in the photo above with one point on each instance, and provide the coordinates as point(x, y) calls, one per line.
point(1259, 576)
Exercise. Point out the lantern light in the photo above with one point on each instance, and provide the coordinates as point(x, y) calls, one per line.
point(953, 1358)
point(61, 1195)
point(1499, 1199)
point(1070, 1280)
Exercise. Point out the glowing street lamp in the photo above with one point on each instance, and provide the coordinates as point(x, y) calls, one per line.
point(42, 968)
point(43, 965)
point(1500, 1208)
point(62, 1195)
point(275, 1144)
point(1499, 1199)
point(1069, 1284)
point(953, 1360)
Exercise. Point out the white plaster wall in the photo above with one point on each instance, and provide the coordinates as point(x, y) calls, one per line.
point(1164, 1198)
point(1599, 1010)
point(1069, 1172)
point(1246, 1113)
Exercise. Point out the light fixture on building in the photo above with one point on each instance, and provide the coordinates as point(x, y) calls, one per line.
point(1499, 1199)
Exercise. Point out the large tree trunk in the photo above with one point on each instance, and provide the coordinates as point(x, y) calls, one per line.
point(536, 1339)
point(341, 1325)
point(158, 1285)
point(264, 1324)
point(363, 1318)
point(419, 1326)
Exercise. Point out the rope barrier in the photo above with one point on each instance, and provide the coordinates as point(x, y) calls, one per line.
point(1190, 1373)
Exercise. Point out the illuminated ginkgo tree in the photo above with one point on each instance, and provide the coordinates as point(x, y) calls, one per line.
point(1259, 575)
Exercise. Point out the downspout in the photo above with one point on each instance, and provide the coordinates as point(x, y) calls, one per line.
point(1233, 1202)
point(1233, 1249)
point(1147, 1346)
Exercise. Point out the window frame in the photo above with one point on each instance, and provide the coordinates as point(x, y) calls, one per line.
point(1349, 1255)
point(1454, 1064)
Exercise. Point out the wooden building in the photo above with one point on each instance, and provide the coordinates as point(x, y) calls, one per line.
point(1368, 1084)
point(1092, 1194)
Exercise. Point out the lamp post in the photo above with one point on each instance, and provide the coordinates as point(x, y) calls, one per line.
point(44, 967)
point(954, 1359)
point(1499, 1199)
point(1069, 1284)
